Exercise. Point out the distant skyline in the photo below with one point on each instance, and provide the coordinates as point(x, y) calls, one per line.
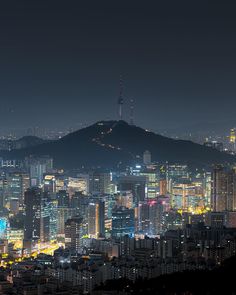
point(60, 63)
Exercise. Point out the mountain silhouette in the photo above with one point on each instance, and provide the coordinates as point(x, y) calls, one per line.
point(109, 144)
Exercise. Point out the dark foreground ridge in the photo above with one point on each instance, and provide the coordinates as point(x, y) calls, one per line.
point(219, 281)
point(110, 144)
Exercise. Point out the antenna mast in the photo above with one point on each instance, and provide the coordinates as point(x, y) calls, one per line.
point(121, 99)
point(131, 112)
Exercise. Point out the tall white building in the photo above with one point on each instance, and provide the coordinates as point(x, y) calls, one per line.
point(147, 158)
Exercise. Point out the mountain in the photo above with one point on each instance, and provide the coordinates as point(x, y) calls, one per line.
point(109, 144)
point(23, 142)
point(28, 141)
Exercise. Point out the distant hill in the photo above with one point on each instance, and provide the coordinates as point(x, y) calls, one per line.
point(109, 144)
point(23, 142)
point(28, 141)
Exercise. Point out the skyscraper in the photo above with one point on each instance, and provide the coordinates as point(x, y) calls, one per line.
point(223, 193)
point(64, 212)
point(96, 219)
point(143, 217)
point(36, 227)
point(147, 158)
point(32, 214)
point(101, 218)
point(123, 222)
point(38, 167)
point(93, 224)
point(17, 184)
point(163, 187)
point(135, 184)
point(73, 233)
point(99, 183)
point(232, 138)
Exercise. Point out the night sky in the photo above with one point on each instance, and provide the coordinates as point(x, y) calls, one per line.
point(60, 62)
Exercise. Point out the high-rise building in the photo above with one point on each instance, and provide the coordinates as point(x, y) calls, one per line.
point(60, 182)
point(162, 206)
point(82, 202)
point(45, 218)
point(53, 215)
point(37, 168)
point(188, 195)
point(110, 204)
point(32, 214)
point(37, 221)
point(49, 183)
point(2, 190)
point(100, 183)
point(143, 217)
point(93, 220)
point(124, 199)
point(15, 191)
point(64, 211)
point(153, 217)
point(216, 219)
point(63, 199)
point(75, 202)
point(232, 139)
point(73, 233)
point(63, 214)
point(101, 218)
point(147, 158)
point(152, 182)
point(17, 184)
point(207, 188)
point(96, 219)
point(177, 172)
point(78, 184)
point(37, 171)
point(163, 187)
point(223, 194)
point(135, 184)
point(182, 194)
point(123, 222)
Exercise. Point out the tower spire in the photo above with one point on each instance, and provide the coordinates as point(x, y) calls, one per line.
point(131, 112)
point(121, 99)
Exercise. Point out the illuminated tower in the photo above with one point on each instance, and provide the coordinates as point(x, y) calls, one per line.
point(232, 135)
point(93, 220)
point(120, 100)
point(232, 138)
point(131, 112)
point(96, 221)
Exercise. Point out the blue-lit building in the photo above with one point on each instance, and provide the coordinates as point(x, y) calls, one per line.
point(123, 222)
point(3, 227)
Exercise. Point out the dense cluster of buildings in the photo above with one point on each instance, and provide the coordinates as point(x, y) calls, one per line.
point(81, 228)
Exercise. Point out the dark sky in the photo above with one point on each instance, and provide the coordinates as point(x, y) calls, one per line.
point(60, 62)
